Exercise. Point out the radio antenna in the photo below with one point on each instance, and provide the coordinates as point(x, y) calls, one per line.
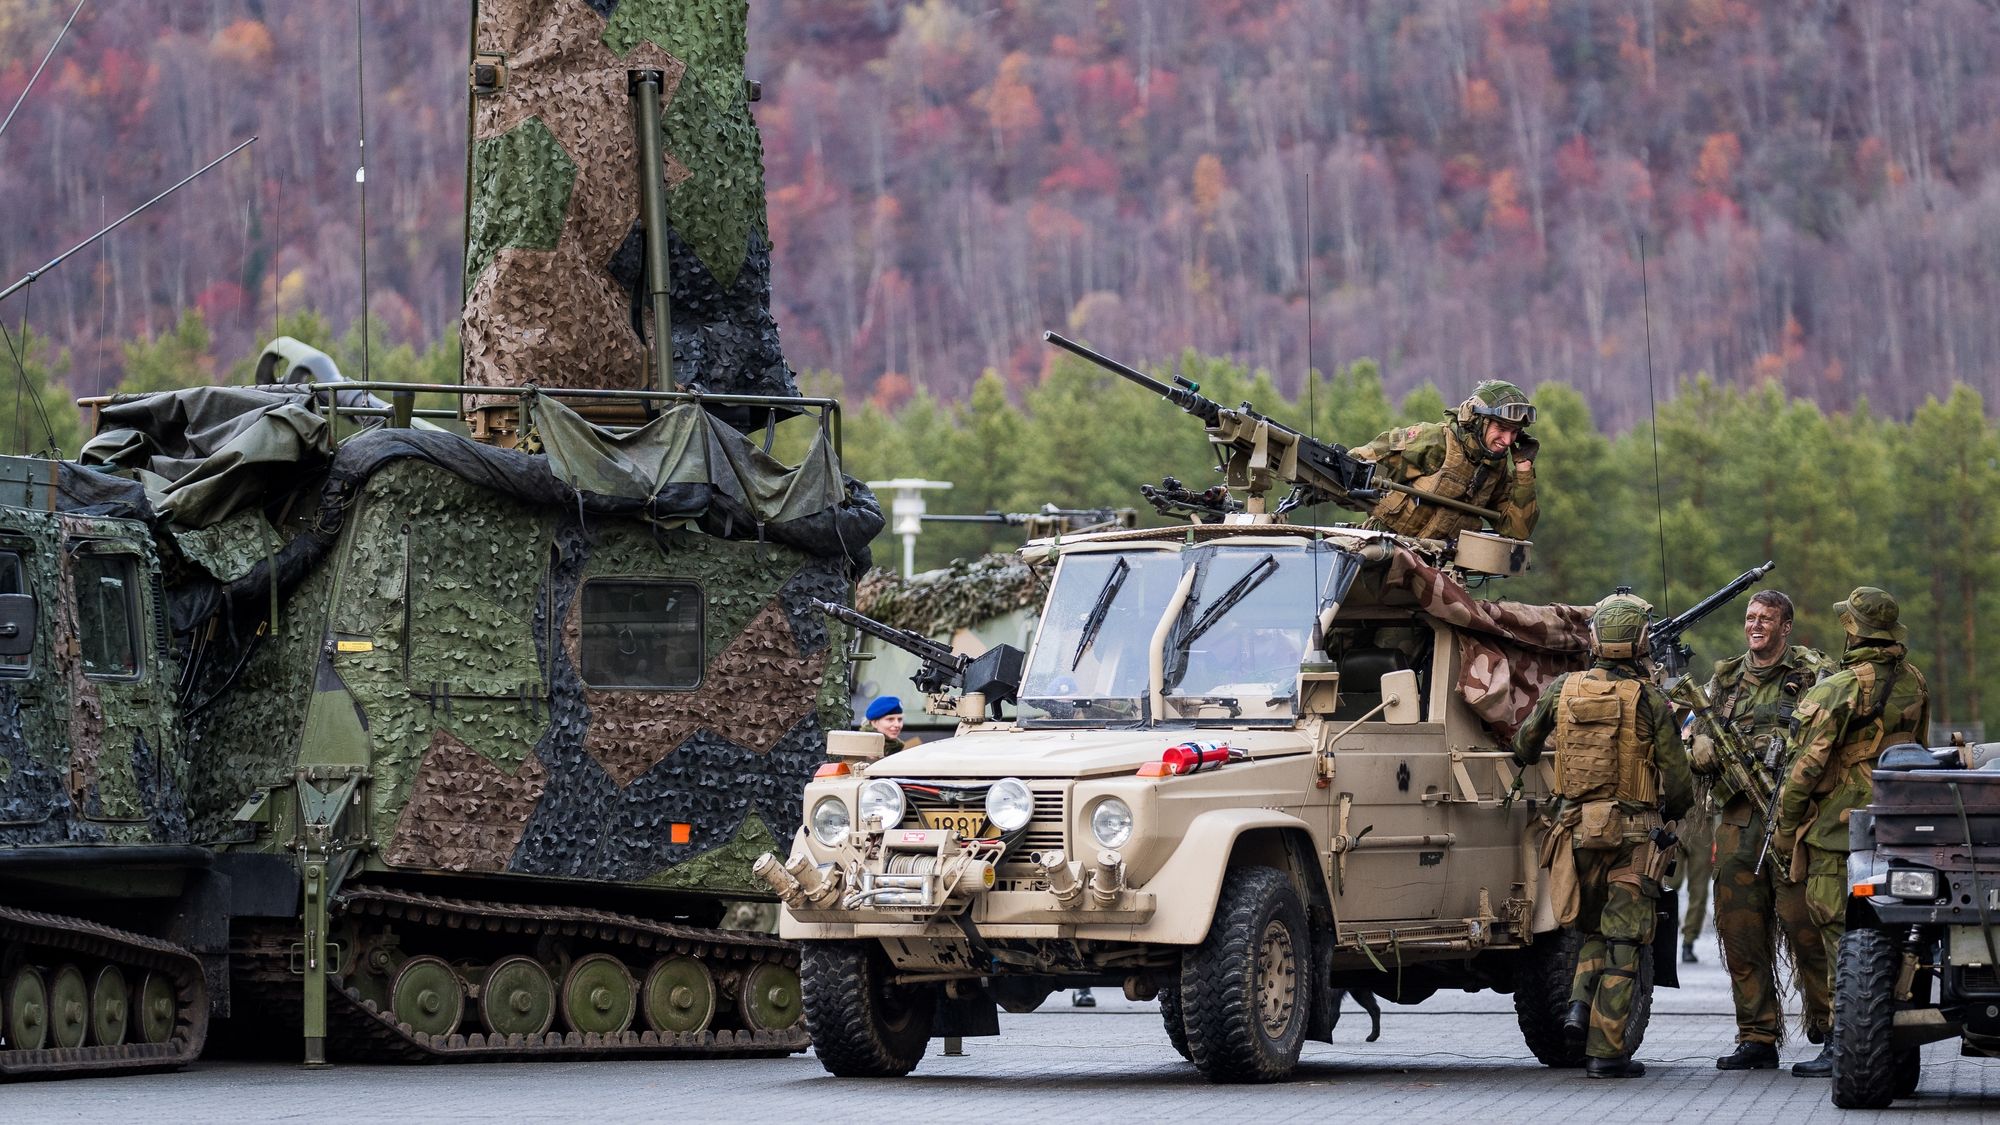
point(38, 70)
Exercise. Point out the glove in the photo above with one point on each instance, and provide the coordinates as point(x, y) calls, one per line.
point(1703, 757)
point(1525, 449)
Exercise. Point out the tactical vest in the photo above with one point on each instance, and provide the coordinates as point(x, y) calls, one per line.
point(1599, 755)
point(1870, 711)
point(1459, 478)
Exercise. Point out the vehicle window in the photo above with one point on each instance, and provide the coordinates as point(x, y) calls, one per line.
point(1090, 658)
point(107, 614)
point(13, 580)
point(1235, 651)
point(642, 634)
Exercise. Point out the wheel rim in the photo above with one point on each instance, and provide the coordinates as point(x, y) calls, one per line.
point(110, 1007)
point(156, 1008)
point(1277, 978)
point(679, 995)
point(518, 998)
point(427, 996)
point(769, 1000)
point(27, 1009)
point(69, 1007)
point(598, 995)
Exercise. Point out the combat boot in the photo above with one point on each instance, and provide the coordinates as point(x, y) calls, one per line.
point(1687, 954)
point(1749, 1056)
point(1614, 1068)
point(1819, 1066)
point(1576, 1021)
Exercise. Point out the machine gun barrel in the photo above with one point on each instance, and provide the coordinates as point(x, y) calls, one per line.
point(942, 667)
point(1670, 656)
point(1260, 448)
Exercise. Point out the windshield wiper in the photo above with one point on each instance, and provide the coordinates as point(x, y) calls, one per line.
point(1091, 624)
point(1238, 590)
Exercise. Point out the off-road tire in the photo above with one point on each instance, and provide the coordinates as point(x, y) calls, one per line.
point(1227, 980)
point(1170, 1014)
point(1864, 1012)
point(1909, 1072)
point(861, 1025)
point(1541, 999)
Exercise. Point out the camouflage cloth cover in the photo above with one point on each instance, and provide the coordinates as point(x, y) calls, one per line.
point(1514, 649)
point(554, 249)
point(941, 601)
point(205, 453)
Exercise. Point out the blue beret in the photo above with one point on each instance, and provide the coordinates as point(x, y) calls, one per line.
point(884, 705)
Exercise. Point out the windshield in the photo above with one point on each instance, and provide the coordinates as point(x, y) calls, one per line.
point(1089, 662)
point(1232, 654)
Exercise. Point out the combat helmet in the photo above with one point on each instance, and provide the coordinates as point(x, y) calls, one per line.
point(1499, 399)
point(1620, 626)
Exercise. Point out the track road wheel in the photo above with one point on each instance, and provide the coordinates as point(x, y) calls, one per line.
point(26, 1007)
point(517, 998)
point(599, 996)
point(1246, 991)
point(1541, 997)
point(1170, 1014)
point(1864, 1007)
point(679, 995)
point(427, 996)
point(110, 1007)
point(156, 1008)
point(69, 1007)
point(769, 997)
point(862, 1026)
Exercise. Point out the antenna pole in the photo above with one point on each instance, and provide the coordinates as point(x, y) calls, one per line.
point(1653, 413)
point(34, 275)
point(38, 70)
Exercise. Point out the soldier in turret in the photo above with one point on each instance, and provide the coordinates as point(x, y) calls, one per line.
point(1481, 454)
point(1755, 694)
point(1877, 699)
point(1619, 765)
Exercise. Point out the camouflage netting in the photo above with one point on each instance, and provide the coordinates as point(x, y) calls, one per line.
point(941, 601)
point(555, 292)
point(1513, 649)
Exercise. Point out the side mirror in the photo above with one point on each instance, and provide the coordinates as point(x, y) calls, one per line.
point(17, 624)
point(1400, 703)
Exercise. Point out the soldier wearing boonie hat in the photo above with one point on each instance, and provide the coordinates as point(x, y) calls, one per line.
point(1876, 700)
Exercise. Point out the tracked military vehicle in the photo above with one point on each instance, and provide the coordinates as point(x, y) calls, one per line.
point(1920, 961)
point(351, 732)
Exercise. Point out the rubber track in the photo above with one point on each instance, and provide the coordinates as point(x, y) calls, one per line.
point(359, 1031)
point(1864, 1056)
point(79, 938)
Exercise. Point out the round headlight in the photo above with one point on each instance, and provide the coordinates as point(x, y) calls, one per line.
point(829, 821)
point(882, 799)
point(1111, 822)
point(1009, 805)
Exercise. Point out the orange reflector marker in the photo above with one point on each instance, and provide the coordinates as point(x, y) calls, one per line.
point(680, 833)
point(1156, 769)
point(1867, 890)
point(832, 769)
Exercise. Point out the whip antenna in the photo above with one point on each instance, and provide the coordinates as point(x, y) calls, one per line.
point(1653, 413)
point(361, 176)
point(38, 70)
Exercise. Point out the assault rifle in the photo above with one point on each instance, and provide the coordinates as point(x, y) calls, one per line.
point(1740, 767)
point(996, 673)
point(1258, 450)
point(1670, 655)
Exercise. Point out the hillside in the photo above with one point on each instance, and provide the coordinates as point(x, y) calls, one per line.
point(1809, 181)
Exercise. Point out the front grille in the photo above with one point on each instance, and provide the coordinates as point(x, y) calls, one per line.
point(1046, 828)
point(1981, 980)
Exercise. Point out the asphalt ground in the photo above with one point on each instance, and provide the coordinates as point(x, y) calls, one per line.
point(1455, 1058)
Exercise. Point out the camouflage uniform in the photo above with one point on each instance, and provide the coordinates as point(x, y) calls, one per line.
point(1616, 895)
point(1757, 705)
point(1448, 459)
point(1876, 700)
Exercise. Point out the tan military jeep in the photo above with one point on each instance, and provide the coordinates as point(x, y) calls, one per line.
point(1254, 767)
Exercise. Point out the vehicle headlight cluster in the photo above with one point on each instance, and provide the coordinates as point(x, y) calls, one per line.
point(830, 822)
point(882, 799)
point(1111, 822)
point(1009, 804)
point(1913, 884)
